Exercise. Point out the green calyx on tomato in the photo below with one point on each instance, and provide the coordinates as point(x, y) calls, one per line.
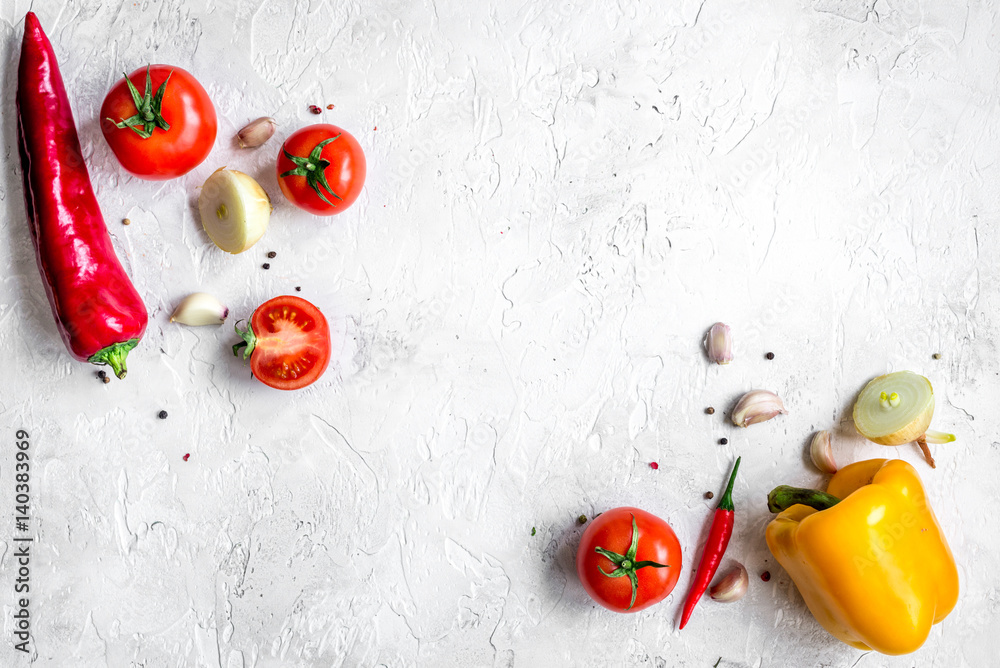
point(626, 565)
point(149, 114)
point(313, 167)
point(249, 340)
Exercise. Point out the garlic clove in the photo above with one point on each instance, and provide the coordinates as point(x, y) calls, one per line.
point(719, 343)
point(821, 452)
point(732, 587)
point(199, 309)
point(757, 406)
point(257, 132)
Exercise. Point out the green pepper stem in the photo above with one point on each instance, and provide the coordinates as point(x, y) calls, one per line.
point(784, 497)
point(114, 356)
point(726, 502)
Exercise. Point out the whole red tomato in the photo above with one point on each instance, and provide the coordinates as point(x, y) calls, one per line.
point(288, 343)
point(321, 169)
point(628, 559)
point(163, 134)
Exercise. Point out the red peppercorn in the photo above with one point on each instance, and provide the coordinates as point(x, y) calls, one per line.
point(186, 456)
point(654, 465)
point(314, 109)
point(765, 576)
point(329, 106)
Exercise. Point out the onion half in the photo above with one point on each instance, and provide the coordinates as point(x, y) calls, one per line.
point(897, 408)
point(234, 210)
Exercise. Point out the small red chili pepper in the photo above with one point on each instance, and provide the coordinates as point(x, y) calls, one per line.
point(715, 548)
point(99, 314)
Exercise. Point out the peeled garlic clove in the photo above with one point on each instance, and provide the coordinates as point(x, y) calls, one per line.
point(757, 406)
point(719, 343)
point(234, 210)
point(821, 452)
point(256, 132)
point(732, 587)
point(198, 309)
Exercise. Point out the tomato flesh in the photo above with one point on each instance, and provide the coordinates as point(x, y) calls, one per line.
point(166, 154)
point(612, 530)
point(292, 348)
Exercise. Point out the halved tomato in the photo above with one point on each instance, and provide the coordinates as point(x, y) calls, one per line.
point(288, 343)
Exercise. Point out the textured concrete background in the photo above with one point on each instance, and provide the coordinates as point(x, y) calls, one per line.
point(561, 199)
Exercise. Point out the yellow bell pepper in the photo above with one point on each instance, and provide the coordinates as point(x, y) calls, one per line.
point(868, 556)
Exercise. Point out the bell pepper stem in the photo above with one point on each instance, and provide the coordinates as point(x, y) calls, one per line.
point(784, 497)
point(114, 356)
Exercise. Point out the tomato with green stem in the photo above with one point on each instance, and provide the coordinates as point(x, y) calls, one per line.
point(161, 135)
point(287, 341)
point(628, 559)
point(321, 169)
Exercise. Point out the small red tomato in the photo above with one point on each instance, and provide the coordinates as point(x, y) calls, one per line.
point(161, 135)
point(321, 169)
point(628, 559)
point(288, 343)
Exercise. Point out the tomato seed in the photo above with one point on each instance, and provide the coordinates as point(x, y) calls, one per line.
point(329, 106)
point(126, 222)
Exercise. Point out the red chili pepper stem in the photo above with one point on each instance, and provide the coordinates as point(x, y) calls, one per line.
point(726, 502)
point(715, 547)
point(114, 356)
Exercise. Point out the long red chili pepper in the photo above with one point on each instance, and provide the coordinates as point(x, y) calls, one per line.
point(97, 309)
point(715, 548)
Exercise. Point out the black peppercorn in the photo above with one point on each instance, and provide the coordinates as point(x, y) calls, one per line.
point(723, 441)
point(769, 356)
point(162, 415)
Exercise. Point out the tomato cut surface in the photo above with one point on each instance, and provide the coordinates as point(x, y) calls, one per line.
point(289, 343)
